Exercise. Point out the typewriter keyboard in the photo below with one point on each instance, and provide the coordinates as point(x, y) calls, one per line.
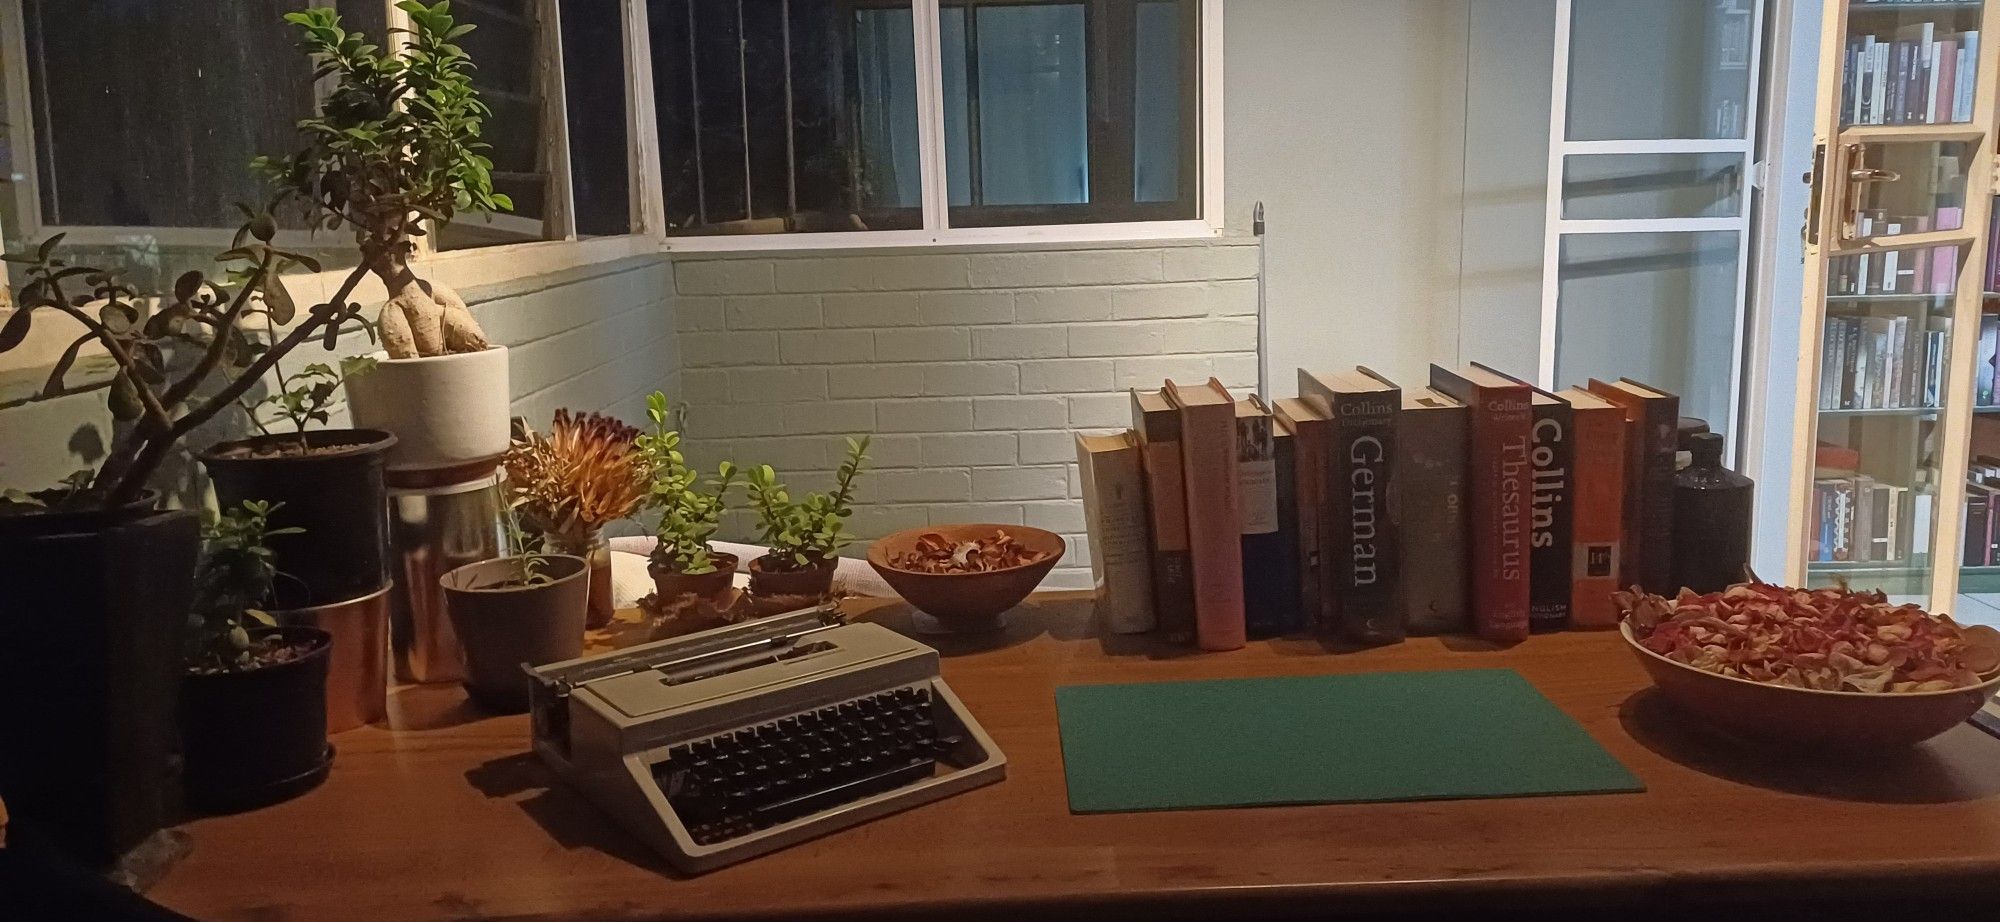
point(736, 783)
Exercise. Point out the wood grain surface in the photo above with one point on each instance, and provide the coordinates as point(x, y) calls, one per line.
point(446, 815)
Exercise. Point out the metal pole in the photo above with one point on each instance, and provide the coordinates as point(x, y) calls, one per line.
point(1263, 319)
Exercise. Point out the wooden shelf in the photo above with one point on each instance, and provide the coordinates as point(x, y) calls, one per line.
point(1910, 134)
point(1955, 237)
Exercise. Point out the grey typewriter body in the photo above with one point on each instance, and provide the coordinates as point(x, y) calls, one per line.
point(730, 743)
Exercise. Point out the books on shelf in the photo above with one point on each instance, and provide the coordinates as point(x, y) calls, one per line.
point(1312, 437)
point(1429, 514)
point(1269, 602)
point(1156, 427)
point(1878, 362)
point(1921, 74)
point(1214, 522)
point(1497, 477)
point(1652, 417)
point(1597, 511)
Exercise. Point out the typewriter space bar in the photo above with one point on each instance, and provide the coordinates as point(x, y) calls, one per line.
point(827, 798)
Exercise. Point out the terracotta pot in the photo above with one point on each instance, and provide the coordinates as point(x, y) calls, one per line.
point(712, 586)
point(815, 579)
point(1833, 720)
point(447, 411)
point(966, 602)
point(357, 677)
point(337, 496)
point(503, 626)
point(258, 736)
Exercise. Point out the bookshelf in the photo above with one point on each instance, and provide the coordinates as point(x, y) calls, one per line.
point(1898, 422)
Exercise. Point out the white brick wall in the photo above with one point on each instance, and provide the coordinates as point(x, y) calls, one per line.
point(971, 367)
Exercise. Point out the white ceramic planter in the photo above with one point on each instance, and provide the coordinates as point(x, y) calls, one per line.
point(446, 410)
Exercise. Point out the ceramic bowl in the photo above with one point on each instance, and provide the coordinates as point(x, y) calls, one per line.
point(1803, 716)
point(966, 601)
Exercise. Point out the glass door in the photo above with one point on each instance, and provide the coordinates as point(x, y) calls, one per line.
point(1648, 197)
point(1902, 177)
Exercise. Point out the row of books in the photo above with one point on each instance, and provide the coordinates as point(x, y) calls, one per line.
point(1367, 510)
point(1899, 272)
point(1872, 362)
point(1986, 361)
point(1858, 519)
point(1924, 75)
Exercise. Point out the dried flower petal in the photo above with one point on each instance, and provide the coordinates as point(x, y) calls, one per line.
point(934, 553)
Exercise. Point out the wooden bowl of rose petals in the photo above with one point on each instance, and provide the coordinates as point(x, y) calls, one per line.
point(1831, 668)
point(966, 576)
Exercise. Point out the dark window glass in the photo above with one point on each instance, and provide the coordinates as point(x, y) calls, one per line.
point(512, 75)
point(1069, 112)
point(780, 116)
point(593, 41)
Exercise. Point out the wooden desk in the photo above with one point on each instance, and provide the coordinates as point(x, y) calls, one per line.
point(453, 818)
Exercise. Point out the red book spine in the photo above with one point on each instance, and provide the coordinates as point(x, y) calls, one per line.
point(1501, 423)
point(1598, 526)
point(1208, 465)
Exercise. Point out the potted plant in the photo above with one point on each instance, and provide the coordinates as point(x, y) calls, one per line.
point(253, 696)
point(397, 144)
point(804, 537)
point(527, 608)
point(96, 549)
point(566, 486)
point(682, 561)
point(326, 486)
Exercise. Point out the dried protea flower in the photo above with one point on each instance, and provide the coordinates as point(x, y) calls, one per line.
point(580, 477)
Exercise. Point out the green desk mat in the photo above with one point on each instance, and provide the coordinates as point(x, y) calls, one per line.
point(1324, 739)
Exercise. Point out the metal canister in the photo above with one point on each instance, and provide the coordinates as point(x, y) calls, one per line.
point(433, 529)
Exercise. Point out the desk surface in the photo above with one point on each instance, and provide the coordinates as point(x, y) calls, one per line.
point(451, 817)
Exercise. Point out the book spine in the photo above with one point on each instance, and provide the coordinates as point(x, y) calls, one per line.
point(1114, 508)
point(1597, 517)
point(1430, 517)
point(1309, 478)
point(1364, 541)
point(1173, 568)
point(1656, 518)
point(1268, 601)
point(1499, 486)
point(1208, 467)
point(1291, 611)
point(1549, 522)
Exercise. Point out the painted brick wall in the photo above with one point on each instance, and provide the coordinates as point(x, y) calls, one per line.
point(971, 367)
point(597, 337)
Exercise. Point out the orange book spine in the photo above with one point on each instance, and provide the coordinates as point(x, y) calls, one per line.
point(1215, 539)
point(1598, 508)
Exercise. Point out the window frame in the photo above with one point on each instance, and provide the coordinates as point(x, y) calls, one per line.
point(936, 229)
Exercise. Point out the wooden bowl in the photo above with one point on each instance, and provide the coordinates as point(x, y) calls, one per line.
point(1759, 712)
point(966, 601)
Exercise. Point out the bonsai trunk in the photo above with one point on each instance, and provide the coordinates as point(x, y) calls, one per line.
point(420, 318)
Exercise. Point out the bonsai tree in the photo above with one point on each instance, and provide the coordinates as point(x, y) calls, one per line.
point(689, 515)
point(810, 531)
point(231, 584)
point(395, 143)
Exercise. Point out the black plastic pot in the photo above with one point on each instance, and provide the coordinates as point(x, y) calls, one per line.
point(256, 737)
point(91, 613)
point(338, 498)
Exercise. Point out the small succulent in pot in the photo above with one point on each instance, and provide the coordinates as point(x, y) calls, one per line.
point(805, 535)
point(235, 579)
point(690, 511)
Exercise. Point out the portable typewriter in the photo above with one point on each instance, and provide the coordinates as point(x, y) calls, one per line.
point(730, 743)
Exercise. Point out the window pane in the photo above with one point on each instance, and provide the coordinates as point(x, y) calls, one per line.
point(1073, 112)
point(1658, 307)
point(593, 40)
point(786, 117)
point(506, 46)
point(1654, 69)
point(1599, 186)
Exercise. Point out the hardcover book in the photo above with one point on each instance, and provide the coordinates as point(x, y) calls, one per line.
point(1281, 571)
point(1552, 444)
point(1312, 437)
point(1360, 539)
point(1650, 480)
point(1597, 508)
point(1268, 577)
point(1156, 426)
point(1208, 468)
point(1114, 511)
point(1497, 485)
point(1430, 512)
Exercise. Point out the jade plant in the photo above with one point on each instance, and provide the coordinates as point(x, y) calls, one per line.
point(396, 143)
point(304, 398)
point(231, 585)
point(812, 530)
point(690, 509)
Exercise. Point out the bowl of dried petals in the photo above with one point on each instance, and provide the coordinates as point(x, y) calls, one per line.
point(966, 576)
point(1829, 667)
